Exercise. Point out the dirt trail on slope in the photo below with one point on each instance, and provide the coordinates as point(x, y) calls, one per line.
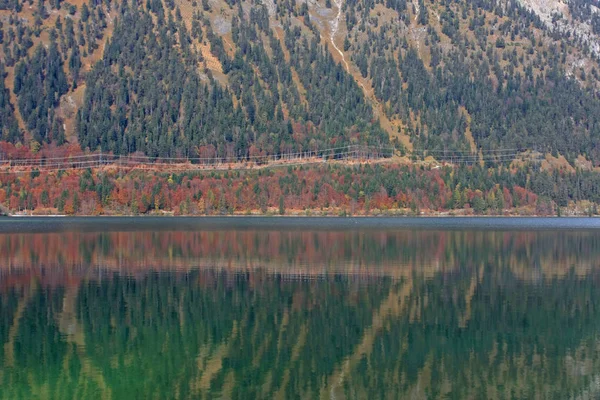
point(378, 110)
point(468, 133)
point(335, 25)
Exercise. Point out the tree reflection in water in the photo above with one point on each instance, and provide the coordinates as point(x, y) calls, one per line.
point(261, 314)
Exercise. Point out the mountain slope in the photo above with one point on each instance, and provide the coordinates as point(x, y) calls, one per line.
point(235, 79)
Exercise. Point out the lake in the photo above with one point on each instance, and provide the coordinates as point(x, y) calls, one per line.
point(278, 308)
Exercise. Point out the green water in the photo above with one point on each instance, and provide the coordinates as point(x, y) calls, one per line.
point(299, 312)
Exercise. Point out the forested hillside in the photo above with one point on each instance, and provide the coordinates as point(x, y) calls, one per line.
point(236, 79)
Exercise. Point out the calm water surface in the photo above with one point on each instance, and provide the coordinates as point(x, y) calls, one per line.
point(246, 308)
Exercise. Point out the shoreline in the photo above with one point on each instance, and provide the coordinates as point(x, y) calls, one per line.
point(525, 212)
point(43, 224)
point(299, 216)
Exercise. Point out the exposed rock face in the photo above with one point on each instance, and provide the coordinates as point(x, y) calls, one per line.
point(555, 14)
point(546, 8)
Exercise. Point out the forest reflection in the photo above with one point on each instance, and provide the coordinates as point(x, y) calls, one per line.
point(300, 314)
point(528, 254)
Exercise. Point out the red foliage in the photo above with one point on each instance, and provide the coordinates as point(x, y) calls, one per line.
point(332, 189)
point(524, 196)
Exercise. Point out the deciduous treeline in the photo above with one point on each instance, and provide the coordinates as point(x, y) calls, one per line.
point(336, 190)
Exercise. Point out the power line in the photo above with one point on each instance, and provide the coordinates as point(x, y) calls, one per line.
point(97, 160)
point(354, 152)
